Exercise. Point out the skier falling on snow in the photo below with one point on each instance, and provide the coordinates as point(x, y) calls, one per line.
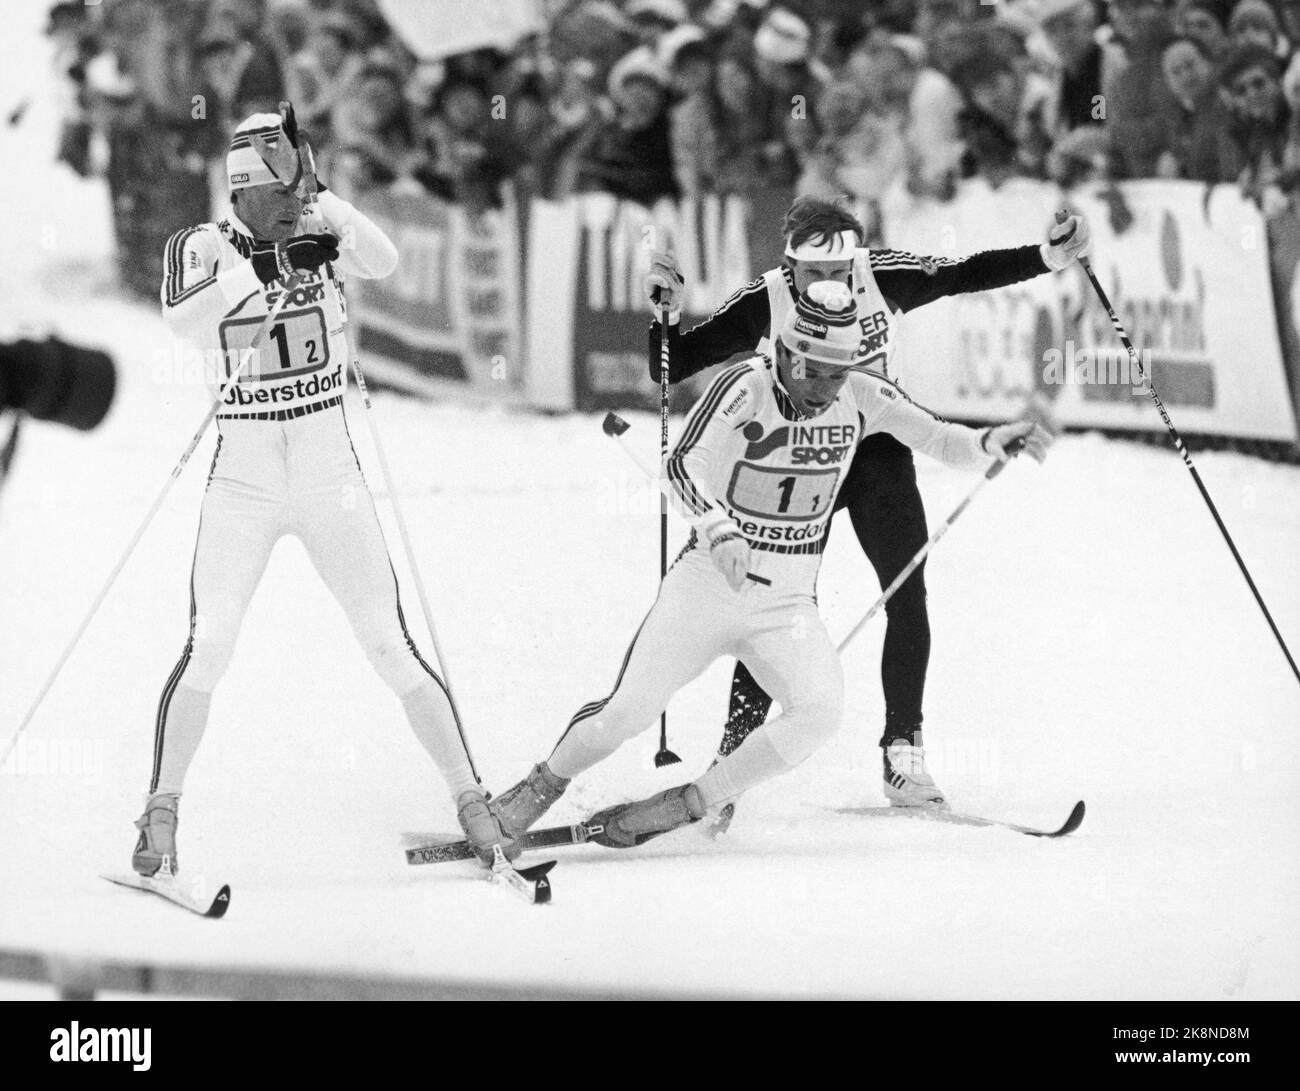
point(284, 462)
point(824, 241)
point(756, 471)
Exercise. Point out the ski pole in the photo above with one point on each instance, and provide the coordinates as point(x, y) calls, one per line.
point(663, 756)
point(248, 354)
point(915, 563)
point(405, 535)
point(1187, 460)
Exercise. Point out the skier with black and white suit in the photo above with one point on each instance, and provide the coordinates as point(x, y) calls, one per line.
point(284, 462)
point(824, 241)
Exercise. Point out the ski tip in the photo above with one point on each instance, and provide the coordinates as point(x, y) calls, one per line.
point(220, 903)
point(1071, 824)
point(1075, 820)
point(537, 875)
point(530, 883)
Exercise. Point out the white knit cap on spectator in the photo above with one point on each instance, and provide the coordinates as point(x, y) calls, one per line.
point(783, 37)
point(823, 326)
point(244, 167)
point(640, 62)
point(838, 246)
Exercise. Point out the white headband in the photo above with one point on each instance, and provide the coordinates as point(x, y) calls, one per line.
point(244, 167)
point(837, 247)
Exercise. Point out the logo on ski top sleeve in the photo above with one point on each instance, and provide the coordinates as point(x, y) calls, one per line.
point(737, 404)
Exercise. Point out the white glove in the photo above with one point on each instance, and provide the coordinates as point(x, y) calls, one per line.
point(1067, 240)
point(666, 276)
point(1000, 441)
point(728, 551)
point(281, 159)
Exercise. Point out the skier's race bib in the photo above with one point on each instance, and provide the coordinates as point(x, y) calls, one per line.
point(296, 344)
point(781, 492)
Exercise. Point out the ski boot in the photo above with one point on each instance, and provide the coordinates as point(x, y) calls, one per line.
point(631, 824)
point(520, 807)
point(907, 782)
point(155, 851)
point(482, 830)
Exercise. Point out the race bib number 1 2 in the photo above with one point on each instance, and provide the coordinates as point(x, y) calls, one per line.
point(295, 345)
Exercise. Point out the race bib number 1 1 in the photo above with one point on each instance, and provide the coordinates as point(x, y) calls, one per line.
point(776, 492)
point(295, 345)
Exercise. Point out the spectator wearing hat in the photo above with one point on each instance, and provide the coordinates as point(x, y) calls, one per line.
point(1202, 21)
point(631, 156)
point(1252, 79)
point(1201, 148)
point(1253, 22)
point(784, 67)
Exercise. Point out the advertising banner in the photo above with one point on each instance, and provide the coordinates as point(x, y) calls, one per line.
point(1189, 277)
point(452, 308)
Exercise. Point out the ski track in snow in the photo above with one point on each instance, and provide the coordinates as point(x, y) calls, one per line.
point(1092, 639)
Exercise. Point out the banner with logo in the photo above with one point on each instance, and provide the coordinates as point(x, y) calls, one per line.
point(452, 310)
point(588, 256)
point(1189, 278)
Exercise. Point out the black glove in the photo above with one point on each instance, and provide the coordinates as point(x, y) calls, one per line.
point(289, 122)
point(280, 260)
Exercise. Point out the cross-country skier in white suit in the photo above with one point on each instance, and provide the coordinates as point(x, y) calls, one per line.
point(284, 462)
point(756, 471)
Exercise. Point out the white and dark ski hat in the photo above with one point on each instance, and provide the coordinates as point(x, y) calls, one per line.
point(824, 325)
point(244, 166)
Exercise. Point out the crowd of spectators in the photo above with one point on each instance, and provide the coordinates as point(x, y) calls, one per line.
point(648, 99)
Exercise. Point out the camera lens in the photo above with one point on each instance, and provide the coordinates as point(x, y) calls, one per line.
point(54, 381)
